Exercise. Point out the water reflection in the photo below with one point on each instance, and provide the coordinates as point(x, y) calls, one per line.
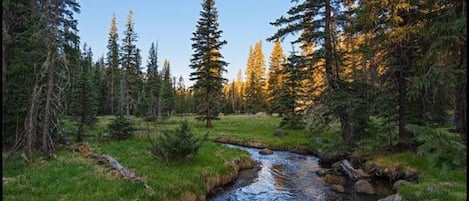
point(282, 176)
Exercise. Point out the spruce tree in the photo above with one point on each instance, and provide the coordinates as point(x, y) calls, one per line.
point(153, 84)
point(84, 104)
point(130, 61)
point(207, 62)
point(113, 72)
point(168, 96)
point(256, 81)
point(316, 21)
point(275, 78)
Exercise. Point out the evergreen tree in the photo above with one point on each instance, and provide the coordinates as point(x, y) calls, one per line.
point(130, 61)
point(113, 72)
point(168, 96)
point(100, 81)
point(207, 62)
point(256, 82)
point(85, 103)
point(291, 93)
point(180, 102)
point(153, 83)
point(316, 21)
point(275, 78)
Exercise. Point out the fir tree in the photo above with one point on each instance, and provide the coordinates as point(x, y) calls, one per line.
point(207, 62)
point(113, 62)
point(168, 97)
point(84, 104)
point(130, 61)
point(275, 78)
point(153, 83)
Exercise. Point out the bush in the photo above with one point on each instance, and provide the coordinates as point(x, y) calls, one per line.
point(443, 147)
point(120, 128)
point(179, 145)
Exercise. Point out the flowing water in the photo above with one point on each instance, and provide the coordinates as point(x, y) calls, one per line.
point(283, 176)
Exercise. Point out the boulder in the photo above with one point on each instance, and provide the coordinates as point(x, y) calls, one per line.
point(362, 174)
point(398, 184)
point(338, 188)
point(334, 179)
point(363, 186)
point(266, 151)
point(393, 197)
point(321, 172)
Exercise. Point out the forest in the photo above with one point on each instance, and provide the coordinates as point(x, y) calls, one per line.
point(364, 80)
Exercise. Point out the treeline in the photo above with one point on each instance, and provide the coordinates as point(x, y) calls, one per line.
point(47, 74)
point(401, 61)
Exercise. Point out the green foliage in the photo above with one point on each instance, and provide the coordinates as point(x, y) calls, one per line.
point(330, 141)
point(180, 145)
point(142, 104)
point(207, 62)
point(120, 128)
point(292, 93)
point(443, 147)
point(380, 135)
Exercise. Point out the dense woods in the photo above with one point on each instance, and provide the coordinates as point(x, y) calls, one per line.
point(402, 62)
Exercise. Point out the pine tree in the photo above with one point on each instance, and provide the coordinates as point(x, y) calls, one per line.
point(291, 92)
point(275, 78)
point(113, 72)
point(84, 104)
point(207, 62)
point(153, 83)
point(168, 96)
point(180, 102)
point(323, 32)
point(100, 81)
point(256, 81)
point(130, 61)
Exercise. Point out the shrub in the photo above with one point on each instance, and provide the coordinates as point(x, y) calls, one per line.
point(441, 146)
point(120, 128)
point(179, 145)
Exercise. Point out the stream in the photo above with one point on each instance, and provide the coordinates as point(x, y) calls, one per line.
point(284, 176)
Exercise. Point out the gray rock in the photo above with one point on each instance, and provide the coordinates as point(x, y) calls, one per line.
point(393, 197)
point(321, 172)
point(398, 184)
point(338, 188)
point(363, 186)
point(266, 151)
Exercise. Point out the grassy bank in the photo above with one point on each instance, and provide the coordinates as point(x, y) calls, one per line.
point(433, 183)
point(72, 177)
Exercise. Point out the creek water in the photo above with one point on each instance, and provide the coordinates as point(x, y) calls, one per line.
point(283, 176)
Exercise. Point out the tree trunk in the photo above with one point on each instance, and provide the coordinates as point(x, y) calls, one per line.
point(46, 149)
point(345, 126)
point(80, 130)
point(30, 123)
point(460, 112)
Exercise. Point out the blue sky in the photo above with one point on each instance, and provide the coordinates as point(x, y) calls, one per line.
point(172, 22)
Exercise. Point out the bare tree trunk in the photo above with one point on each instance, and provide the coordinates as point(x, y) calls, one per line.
point(46, 149)
point(30, 123)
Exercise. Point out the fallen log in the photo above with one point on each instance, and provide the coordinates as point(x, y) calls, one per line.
point(347, 168)
point(123, 172)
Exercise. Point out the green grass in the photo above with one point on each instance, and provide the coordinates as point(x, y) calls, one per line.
point(433, 183)
point(72, 177)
